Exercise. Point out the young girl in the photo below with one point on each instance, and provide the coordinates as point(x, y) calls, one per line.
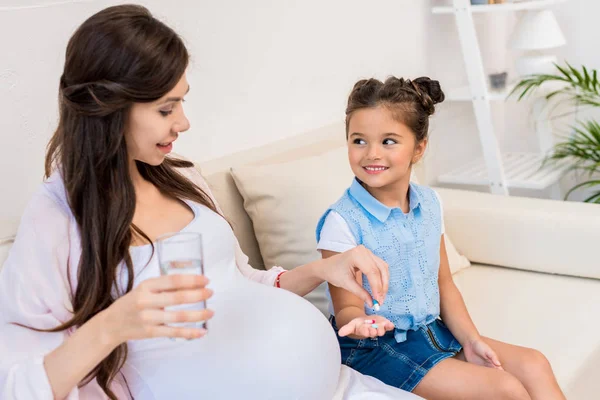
point(403, 342)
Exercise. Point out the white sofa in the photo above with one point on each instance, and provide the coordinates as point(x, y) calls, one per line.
point(534, 278)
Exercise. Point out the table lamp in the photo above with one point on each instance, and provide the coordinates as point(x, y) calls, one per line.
point(535, 32)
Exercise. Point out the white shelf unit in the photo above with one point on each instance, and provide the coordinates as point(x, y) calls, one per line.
point(498, 171)
point(521, 170)
point(508, 6)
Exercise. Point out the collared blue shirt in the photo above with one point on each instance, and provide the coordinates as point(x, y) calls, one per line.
point(409, 243)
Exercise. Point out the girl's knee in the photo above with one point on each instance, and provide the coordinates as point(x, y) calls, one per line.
point(538, 358)
point(535, 364)
point(510, 388)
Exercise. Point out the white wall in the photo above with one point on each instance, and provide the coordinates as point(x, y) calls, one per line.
point(265, 70)
point(579, 19)
point(262, 70)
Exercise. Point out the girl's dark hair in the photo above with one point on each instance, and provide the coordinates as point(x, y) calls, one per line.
point(119, 56)
point(411, 102)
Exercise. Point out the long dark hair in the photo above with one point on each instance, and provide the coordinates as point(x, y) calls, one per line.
point(117, 57)
point(411, 102)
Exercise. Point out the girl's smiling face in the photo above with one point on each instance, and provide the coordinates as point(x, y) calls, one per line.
point(381, 150)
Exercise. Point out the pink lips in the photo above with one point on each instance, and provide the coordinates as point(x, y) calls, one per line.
point(165, 149)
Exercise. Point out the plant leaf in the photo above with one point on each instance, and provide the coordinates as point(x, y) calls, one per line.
point(595, 198)
point(585, 184)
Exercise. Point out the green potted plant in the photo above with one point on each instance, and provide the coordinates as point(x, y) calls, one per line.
point(581, 149)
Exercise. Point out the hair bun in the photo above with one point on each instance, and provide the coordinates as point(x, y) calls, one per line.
point(431, 93)
point(432, 88)
point(363, 92)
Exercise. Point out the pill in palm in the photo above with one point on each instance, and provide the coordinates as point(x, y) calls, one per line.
point(374, 326)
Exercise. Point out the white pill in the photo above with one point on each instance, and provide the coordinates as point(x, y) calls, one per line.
point(375, 305)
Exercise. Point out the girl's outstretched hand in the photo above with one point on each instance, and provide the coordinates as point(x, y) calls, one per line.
point(367, 327)
point(480, 353)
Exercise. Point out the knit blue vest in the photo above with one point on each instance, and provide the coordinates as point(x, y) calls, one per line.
point(409, 243)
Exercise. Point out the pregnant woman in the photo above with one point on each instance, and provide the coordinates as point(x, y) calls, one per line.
point(81, 296)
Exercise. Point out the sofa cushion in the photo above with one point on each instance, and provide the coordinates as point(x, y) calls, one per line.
point(557, 237)
point(229, 199)
point(217, 174)
point(285, 201)
point(552, 313)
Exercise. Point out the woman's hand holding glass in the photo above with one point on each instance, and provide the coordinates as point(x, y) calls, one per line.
point(141, 314)
point(172, 305)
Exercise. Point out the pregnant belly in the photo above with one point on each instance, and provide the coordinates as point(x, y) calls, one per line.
point(263, 343)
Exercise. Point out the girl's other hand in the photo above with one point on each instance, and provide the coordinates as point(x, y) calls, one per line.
point(480, 353)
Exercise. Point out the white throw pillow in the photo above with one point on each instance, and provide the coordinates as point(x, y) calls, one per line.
point(285, 202)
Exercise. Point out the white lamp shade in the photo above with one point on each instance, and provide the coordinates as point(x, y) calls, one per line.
point(537, 30)
point(535, 64)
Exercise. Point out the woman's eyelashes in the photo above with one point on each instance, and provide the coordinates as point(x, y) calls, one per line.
point(166, 113)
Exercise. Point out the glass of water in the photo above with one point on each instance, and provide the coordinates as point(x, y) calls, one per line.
point(182, 254)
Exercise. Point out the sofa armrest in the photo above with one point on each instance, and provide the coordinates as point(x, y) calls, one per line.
point(530, 234)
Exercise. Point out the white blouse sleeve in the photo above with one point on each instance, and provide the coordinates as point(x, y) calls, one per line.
point(34, 293)
point(266, 277)
point(335, 234)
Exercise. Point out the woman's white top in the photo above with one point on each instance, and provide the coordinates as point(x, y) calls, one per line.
point(263, 342)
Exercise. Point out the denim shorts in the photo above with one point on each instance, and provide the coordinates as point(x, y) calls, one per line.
point(402, 365)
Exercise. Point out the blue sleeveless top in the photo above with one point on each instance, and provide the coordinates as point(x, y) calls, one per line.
point(409, 243)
